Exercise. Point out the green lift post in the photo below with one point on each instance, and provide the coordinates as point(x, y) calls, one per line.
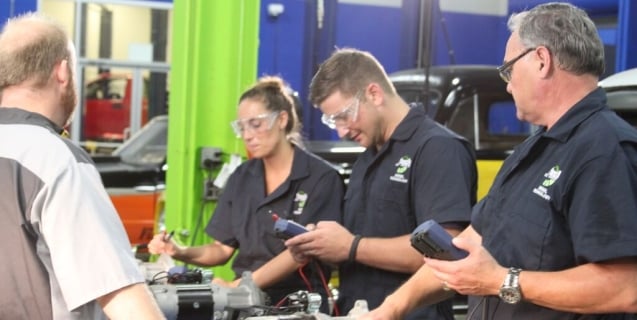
point(214, 59)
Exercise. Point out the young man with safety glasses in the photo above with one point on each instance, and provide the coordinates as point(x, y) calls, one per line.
point(413, 169)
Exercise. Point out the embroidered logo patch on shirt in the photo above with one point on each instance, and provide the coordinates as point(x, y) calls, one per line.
point(551, 176)
point(299, 202)
point(401, 168)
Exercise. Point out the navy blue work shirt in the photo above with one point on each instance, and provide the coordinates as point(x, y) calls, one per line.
point(424, 171)
point(565, 197)
point(243, 217)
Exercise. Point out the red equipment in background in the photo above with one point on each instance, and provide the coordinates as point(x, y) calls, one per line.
point(107, 108)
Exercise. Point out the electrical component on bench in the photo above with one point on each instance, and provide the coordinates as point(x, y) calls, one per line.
point(209, 301)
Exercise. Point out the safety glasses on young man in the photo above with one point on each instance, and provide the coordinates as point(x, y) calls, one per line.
point(505, 69)
point(344, 117)
point(257, 124)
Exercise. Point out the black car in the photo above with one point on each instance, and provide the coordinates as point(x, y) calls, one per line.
point(134, 177)
point(140, 161)
point(621, 92)
point(469, 99)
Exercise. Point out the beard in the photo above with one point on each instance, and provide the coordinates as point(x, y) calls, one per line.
point(68, 102)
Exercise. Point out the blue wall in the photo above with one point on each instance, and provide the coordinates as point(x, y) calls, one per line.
point(281, 40)
point(10, 8)
point(474, 39)
point(371, 28)
point(389, 32)
point(592, 6)
point(292, 46)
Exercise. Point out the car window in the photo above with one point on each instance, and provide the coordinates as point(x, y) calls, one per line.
point(462, 120)
point(488, 121)
point(624, 103)
point(148, 146)
point(95, 90)
point(417, 97)
point(503, 121)
point(111, 88)
point(116, 88)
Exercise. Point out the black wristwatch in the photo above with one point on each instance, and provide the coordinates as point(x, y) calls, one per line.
point(510, 290)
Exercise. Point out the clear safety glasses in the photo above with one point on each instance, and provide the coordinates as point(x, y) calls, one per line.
point(343, 117)
point(258, 124)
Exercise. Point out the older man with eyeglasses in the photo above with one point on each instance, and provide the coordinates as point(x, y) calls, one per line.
point(555, 236)
point(413, 170)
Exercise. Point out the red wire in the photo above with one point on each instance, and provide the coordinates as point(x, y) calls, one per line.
point(323, 281)
point(327, 288)
point(280, 303)
point(305, 279)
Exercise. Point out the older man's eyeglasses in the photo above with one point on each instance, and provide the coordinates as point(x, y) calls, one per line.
point(343, 117)
point(258, 124)
point(505, 69)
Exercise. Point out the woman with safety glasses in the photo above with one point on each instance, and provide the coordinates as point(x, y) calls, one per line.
point(280, 178)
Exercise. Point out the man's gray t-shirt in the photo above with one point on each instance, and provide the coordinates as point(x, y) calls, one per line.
point(61, 240)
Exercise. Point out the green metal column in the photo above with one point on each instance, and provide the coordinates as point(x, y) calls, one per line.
point(214, 58)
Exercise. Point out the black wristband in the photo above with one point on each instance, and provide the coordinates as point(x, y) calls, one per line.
point(354, 248)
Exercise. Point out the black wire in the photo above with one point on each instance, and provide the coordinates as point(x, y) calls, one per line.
point(427, 54)
point(202, 207)
point(279, 309)
point(485, 308)
point(497, 304)
point(156, 278)
point(470, 315)
point(445, 34)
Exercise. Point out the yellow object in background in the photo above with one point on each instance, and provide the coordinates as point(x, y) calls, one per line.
point(487, 169)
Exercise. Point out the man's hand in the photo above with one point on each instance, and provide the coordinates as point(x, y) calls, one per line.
point(328, 241)
point(478, 274)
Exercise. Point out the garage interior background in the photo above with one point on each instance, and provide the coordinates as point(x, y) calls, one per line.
point(154, 40)
point(296, 35)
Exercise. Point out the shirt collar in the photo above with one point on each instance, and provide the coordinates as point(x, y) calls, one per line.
point(300, 165)
point(403, 132)
point(592, 103)
point(20, 116)
point(409, 124)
